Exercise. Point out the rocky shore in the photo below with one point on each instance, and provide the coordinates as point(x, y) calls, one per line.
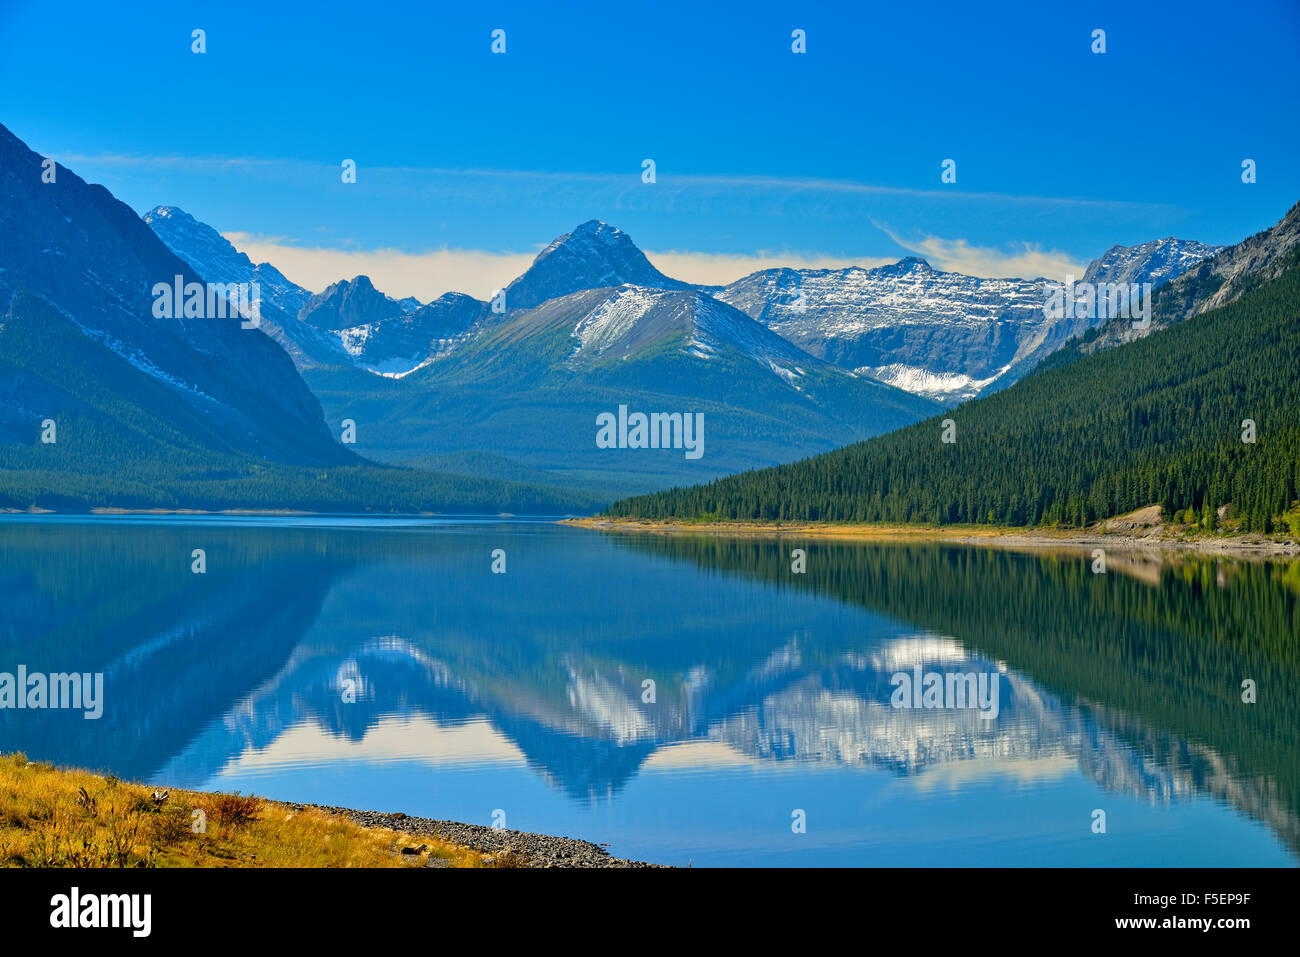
point(499, 847)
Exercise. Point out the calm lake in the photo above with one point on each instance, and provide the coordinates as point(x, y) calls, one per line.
point(683, 700)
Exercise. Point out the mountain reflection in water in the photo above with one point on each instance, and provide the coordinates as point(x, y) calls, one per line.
point(627, 688)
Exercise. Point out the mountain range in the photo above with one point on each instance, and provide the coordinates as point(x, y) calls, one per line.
point(1192, 420)
point(942, 335)
point(105, 402)
point(593, 324)
point(497, 397)
point(531, 383)
point(528, 380)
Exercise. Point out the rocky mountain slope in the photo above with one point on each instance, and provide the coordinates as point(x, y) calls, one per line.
point(1216, 281)
point(596, 255)
point(1156, 262)
point(943, 335)
point(109, 400)
point(77, 271)
point(351, 323)
point(530, 385)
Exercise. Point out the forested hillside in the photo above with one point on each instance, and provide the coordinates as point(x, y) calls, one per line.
point(124, 441)
point(1158, 420)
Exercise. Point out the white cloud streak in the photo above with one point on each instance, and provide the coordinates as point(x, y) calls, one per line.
point(1019, 261)
point(668, 179)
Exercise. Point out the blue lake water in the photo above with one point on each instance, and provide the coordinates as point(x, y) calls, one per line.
point(382, 664)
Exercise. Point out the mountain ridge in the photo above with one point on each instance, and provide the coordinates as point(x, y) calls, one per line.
point(107, 400)
point(1215, 281)
point(942, 335)
point(531, 383)
point(945, 335)
point(95, 261)
point(1182, 418)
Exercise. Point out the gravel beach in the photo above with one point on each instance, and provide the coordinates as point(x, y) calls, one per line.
point(501, 846)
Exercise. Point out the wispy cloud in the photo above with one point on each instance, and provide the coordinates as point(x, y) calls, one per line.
point(668, 180)
point(1019, 260)
point(803, 211)
point(168, 162)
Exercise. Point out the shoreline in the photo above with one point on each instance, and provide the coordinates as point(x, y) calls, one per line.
point(516, 848)
point(55, 816)
point(1144, 539)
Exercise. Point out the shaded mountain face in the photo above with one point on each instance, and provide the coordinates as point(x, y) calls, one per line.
point(395, 344)
point(593, 256)
point(349, 303)
point(943, 335)
point(214, 258)
point(349, 324)
point(77, 273)
point(532, 383)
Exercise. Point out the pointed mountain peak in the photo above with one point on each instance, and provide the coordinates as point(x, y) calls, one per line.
point(169, 212)
point(593, 240)
point(174, 220)
point(594, 255)
point(594, 227)
point(347, 304)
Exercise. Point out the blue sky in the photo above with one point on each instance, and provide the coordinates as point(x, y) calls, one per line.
point(468, 161)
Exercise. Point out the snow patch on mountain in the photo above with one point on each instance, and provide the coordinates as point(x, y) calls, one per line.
point(609, 323)
point(946, 336)
point(1155, 262)
point(933, 385)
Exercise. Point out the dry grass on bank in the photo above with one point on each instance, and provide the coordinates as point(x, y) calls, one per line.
point(51, 817)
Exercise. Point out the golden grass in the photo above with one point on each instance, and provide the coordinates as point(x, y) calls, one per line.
point(805, 529)
point(1015, 538)
point(51, 817)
